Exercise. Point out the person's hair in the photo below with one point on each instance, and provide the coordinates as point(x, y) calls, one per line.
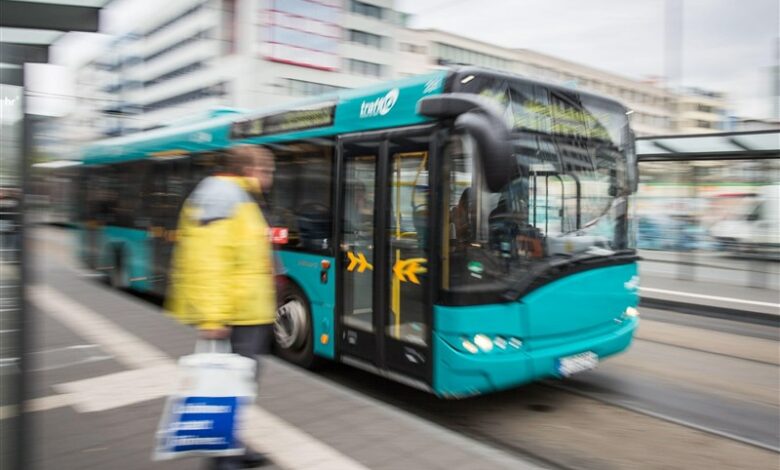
point(244, 155)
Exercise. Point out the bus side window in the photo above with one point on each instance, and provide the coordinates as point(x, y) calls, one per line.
point(104, 195)
point(178, 187)
point(203, 165)
point(300, 200)
point(87, 200)
point(129, 205)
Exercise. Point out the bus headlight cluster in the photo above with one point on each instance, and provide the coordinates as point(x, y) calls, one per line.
point(631, 312)
point(483, 343)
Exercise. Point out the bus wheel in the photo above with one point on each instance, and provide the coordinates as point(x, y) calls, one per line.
point(293, 328)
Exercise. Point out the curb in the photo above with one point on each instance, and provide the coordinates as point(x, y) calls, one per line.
point(723, 313)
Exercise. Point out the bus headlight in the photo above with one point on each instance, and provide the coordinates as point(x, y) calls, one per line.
point(483, 342)
point(469, 346)
point(631, 312)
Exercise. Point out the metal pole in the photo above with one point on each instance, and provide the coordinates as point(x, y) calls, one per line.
point(758, 267)
point(13, 309)
point(685, 267)
point(774, 77)
point(10, 316)
point(25, 321)
point(673, 32)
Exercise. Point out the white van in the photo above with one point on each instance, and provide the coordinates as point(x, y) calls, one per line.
point(756, 229)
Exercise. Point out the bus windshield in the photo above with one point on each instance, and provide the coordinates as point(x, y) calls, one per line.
point(568, 202)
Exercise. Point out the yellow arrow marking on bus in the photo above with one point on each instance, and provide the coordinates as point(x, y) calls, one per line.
point(353, 261)
point(358, 261)
point(408, 269)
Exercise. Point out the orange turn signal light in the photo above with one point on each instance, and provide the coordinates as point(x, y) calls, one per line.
point(324, 338)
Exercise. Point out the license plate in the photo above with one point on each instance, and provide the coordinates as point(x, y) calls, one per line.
point(577, 363)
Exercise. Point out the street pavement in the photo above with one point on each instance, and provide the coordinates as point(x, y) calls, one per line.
point(104, 360)
point(693, 392)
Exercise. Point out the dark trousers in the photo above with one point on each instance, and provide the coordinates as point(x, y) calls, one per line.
point(251, 340)
point(248, 341)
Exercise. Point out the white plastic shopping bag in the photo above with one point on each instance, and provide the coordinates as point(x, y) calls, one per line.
point(202, 417)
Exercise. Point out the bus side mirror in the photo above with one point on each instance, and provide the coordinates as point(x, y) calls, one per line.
point(495, 148)
point(483, 121)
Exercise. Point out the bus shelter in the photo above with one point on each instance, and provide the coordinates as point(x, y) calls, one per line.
point(27, 30)
point(709, 203)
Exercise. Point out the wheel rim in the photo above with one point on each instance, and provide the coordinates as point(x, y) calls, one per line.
point(291, 325)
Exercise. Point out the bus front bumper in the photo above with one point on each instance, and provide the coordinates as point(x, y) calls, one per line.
point(459, 374)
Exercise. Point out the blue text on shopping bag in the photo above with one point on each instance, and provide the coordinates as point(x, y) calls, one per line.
point(203, 424)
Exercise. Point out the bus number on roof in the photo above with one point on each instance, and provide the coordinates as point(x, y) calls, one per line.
point(288, 121)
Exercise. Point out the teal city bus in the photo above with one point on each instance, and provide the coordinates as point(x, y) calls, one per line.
point(462, 232)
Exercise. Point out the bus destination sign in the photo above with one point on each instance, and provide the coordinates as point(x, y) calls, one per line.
point(288, 121)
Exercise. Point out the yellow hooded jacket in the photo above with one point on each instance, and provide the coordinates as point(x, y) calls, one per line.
point(222, 267)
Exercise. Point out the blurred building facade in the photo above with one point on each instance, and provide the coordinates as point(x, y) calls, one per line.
point(747, 125)
point(654, 108)
point(194, 55)
point(700, 111)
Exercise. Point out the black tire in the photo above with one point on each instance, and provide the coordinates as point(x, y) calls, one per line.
point(297, 348)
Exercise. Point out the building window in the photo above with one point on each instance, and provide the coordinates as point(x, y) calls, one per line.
point(362, 67)
point(703, 124)
point(179, 44)
point(218, 90)
point(367, 39)
point(304, 88)
point(413, 48)
point(174, 74)
point(365, 9)
point(704, 108)
point(459, 55)
point(176, 19)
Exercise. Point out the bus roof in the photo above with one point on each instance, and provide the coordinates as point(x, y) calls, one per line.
point(381, 106)
point(385, 105)
point(464, 71)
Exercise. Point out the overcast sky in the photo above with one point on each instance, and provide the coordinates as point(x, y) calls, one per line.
point(727, 45)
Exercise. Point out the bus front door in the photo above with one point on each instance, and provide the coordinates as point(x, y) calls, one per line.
point(357, 246)
point(385, 288)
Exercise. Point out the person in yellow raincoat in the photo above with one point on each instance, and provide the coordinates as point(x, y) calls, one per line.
point(222, 268)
